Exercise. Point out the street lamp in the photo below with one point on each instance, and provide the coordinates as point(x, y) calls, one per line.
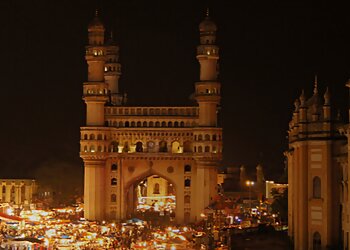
point(250, 184)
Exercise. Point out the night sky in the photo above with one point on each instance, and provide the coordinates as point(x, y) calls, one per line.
point(270, 50)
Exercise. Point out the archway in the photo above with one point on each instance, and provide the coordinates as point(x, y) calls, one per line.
point(152, 199)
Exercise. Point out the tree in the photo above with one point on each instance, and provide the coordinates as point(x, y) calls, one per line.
point(280, 204)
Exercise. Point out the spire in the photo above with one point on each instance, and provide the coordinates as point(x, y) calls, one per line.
point(302, 98)
point(315, 85)
point(327, 97)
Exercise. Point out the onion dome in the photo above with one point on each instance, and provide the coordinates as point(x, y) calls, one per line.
point(96, 23)
point(207, 25)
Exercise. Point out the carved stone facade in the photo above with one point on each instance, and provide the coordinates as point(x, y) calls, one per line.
point(122, 145)
point(317, 159)
point(17, 191)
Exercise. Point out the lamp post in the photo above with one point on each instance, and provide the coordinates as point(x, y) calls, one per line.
point(250, 184)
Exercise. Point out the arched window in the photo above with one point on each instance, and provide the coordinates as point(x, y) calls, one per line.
point(139, 147)
point(187, 183)
point(207, 137)
point(163, 147)
point(187, 168)
point(200, 137)
point(92, 137)
point(214, 137)
point(182, 124)
point(114, 167)
point(92, 149)
point(138, 124)
point(316, 187)
point(200, 149)
point(132, 124)
point(126, 147)
point(85, 137)
point(316, 241)
point(114, 146)
point(156, 188)
point(99, 149)
point(151, 124)
point(170, 124)
point(127, 124)
point(187, 199)
point(120, 124)
point(144, 124)
point(85, 148)
point(157, 124)
point(163, 124)
point(207, 149)
point(113, 198)
point(99, 137)
point(175, 147)
point(176, 124)
point(114, 182)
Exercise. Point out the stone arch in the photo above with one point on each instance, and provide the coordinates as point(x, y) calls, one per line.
point(127, 124)
point(114, 181)
point(176, 124)
point(200, 137)
point(113, 198)
point(207, 137)
point(85, 137)
point(144, 124)
point(151, 124)
point(157, 124)
point(163, 124)
point(139, 147)
point(138, 124)
point(114, 146)
point(163, 146)
point(132, 124)
point(207, 149)
point(214, 137)
point(175, 147)
point(182, 124)
point(92, 137)
point(200, 149)
point(170, 124)
point(316, 241)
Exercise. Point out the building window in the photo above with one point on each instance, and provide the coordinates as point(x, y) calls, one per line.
point(316, 187)
point(187, 199)
point(163, 147)
point(187, 183)
point(316, 241)
point(114, 182)
point(207, 137)
point(114, 146)
point(214, 137)
point(113, 198)
point(156, 188)
point(114, 167)
point(207, 149)
point(139, 147)
point(187, 168)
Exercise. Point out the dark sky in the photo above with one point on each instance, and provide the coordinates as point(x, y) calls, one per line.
point(270, 50)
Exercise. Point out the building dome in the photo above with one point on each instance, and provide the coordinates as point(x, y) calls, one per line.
point(96, 23)
point(207, 25)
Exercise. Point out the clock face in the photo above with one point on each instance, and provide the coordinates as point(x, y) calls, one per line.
point(151, 144)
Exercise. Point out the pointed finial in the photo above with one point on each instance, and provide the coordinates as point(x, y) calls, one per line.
point(207, 13)
point(327, 97)
point(315, 85)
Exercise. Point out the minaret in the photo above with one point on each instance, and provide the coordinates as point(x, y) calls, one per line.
point(95, 96)
point(208, 88)
point(95, 89)
point(113, 71)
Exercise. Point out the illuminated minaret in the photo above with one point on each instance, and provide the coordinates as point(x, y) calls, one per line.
point(95, 89)
point(113, 71)
point(208, 88)
point(95, 96)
